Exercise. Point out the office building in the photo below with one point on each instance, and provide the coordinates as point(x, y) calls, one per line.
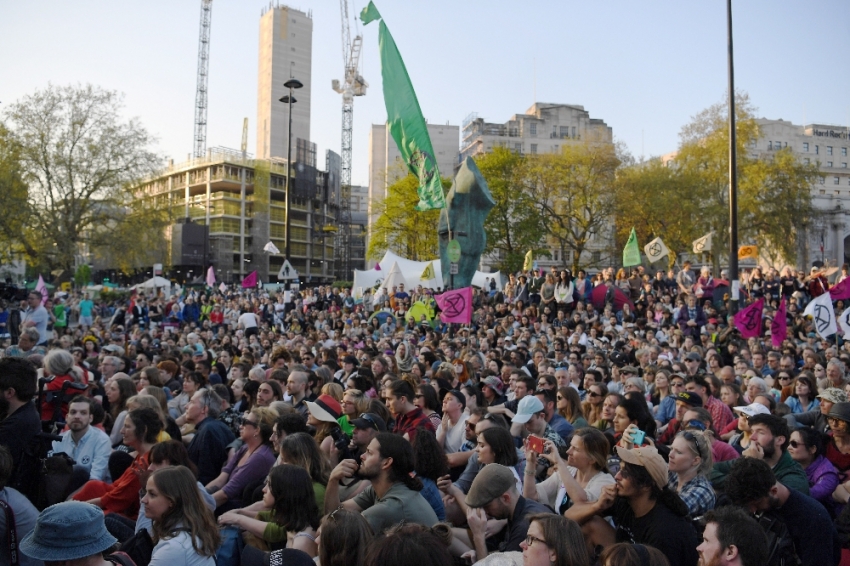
point(286, 50)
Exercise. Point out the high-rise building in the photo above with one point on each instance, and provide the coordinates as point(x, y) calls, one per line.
point(386, 166)
point(286, 51)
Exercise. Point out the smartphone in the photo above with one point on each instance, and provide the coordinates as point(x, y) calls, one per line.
point(638, 437)
point(535, 443)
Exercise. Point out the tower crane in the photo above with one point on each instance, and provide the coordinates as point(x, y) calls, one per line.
point(352, 85)
point(203, 74)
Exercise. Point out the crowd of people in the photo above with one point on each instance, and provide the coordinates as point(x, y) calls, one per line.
point(566, 424)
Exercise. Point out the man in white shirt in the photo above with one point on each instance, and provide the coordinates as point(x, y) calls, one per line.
point(90, 447)
point(36, 316)
point(451, 434)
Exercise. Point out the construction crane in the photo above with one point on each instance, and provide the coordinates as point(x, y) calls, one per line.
point(203, 74)
point(352, 85)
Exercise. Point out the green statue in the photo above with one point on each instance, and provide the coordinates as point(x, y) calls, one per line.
point(467, 205)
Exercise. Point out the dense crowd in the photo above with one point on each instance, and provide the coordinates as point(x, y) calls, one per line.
point(619, 419)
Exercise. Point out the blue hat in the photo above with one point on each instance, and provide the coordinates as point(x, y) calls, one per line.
point(68, 531)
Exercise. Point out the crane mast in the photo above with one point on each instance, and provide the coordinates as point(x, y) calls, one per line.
point(203, 75)
point(352, 85)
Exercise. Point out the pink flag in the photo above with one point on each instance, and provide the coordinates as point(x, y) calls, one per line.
point(840, 291)
point(251, 281)
point(222, 287)
point(748, 320)
point(779, 326)
point(211, 276)
point(456, 305)
point(377, 267)
point(42, 288)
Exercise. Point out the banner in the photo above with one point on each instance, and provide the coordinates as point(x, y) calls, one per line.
point(840, 291)
point(631, 253)
point(271, 248)
point(428, 274)
point(222, 287)
point(404, 117)
point(250, 281)
point(655, 250)
point(42, 288)
point(748, 320)
point(528, 264)
point(745, 252)
point(703, 245)
point(821, 311)
point(211, 276)
point(844, 322)
point(456, 306)
point(779, 326)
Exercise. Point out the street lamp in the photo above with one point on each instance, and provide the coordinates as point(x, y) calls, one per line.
point(289, 100)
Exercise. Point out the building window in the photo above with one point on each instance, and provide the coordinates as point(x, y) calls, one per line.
point(843, 152)
point(533, 129)
point(518, 147)
point(555, 150)
point(844, 165)
point(817, 149)
point(823, 180)
point(836, 180)
point(829, 163)
point(565, 131)
point(805, 146)
point(574, 131)
point(533, 148)
point(829, 150)
point(769, 145)
point(596, 257)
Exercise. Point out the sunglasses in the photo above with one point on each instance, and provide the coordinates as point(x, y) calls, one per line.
point(795, 444)
point(592, 394)
point(691, 437)
point(243, 421)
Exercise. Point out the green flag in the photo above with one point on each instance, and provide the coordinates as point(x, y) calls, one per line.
point(631, 253)
point(404, 117)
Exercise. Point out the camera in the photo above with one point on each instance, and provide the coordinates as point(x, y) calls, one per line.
point(341, 442)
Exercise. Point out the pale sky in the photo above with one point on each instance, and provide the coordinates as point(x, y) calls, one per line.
point(645, 67)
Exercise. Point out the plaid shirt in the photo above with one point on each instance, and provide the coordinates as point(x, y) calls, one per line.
point(409, 422)
point(697, 494)
point(721, 414)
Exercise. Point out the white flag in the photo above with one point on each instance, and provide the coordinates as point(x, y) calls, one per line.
point(655, 250)
point(844, 321)
point(271, 248)
point(821, 311)
point(703, 245)
point(222, 287)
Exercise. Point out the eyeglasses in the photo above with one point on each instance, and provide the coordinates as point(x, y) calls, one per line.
point(794, 444)
point(531, 539)
point(833, 422)
point(677, 384)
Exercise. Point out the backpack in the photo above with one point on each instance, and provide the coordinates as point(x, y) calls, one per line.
point(780, 546)
point(139, 547)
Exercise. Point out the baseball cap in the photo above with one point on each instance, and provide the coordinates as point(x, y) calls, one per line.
point(752, 409)
point(649, 458)
point(528, 406)
point(492, 481)
point(629, 369)
point(694, 356)
point(689, 398)
point(370, 420)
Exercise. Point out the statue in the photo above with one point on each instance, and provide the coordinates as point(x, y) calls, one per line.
point(467, 205)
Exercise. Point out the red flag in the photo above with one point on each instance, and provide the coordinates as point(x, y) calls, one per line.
point(456, 306)
point(748, 320)
point(840, 291)
point(251, 281)
point(779, 326)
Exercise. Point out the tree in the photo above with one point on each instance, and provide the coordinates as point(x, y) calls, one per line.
point(515, 224)
point(400, 228)
point(13, 195)
point(574, 190)
point(82, 166)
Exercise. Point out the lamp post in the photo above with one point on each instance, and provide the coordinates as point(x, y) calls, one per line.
point(733, 174)
point(289, 100)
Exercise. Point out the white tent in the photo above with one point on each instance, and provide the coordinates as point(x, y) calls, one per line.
point(155, 282)
point(411, 272)
point(394, 278)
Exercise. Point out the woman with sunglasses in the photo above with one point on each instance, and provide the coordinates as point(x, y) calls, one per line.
point(569, 407)
point(804, 395)
point(250, 464)
point(689, 463)
point(807, 448)
point(592, 406)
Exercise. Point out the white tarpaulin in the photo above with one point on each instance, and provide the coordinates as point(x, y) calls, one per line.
point(155, 283)
point(411, 271)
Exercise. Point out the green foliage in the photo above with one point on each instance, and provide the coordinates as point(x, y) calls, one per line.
point(82, 276)
point(81, 164)
point(514, 225)
point(400, 228)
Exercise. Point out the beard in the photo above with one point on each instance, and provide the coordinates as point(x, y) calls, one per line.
point(769, 450)
point(713, 561)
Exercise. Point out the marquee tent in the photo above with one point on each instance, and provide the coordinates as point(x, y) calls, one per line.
point(411, 272)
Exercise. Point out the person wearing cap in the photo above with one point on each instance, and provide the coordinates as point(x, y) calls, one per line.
point(769, 436)
point(393, 495)
point(740, 440)
point(838, 447)
point(752, 484)
point(323, 415)
point(643, 508)
point(408, 417)
point(816, 418)
point(71, 533)
point(721, 415)
point(684, 401)
point(493, 389)
point(366, 427)
point(531, 415)
point(494, 495)
point(450, 433)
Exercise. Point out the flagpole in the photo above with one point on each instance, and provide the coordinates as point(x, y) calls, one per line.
point(733, 178)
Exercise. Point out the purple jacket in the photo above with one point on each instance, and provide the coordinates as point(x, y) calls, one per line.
point(684, 317)
point(823, 479)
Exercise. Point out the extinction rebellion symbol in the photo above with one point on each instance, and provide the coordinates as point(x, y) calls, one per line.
point(454, 306)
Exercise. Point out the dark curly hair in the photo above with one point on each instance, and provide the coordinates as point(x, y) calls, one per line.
point(429, 458)
point(749, 480)
point(666, 496)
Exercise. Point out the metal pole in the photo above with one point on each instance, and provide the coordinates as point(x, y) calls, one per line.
point(288, 179)
point(733, 176)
